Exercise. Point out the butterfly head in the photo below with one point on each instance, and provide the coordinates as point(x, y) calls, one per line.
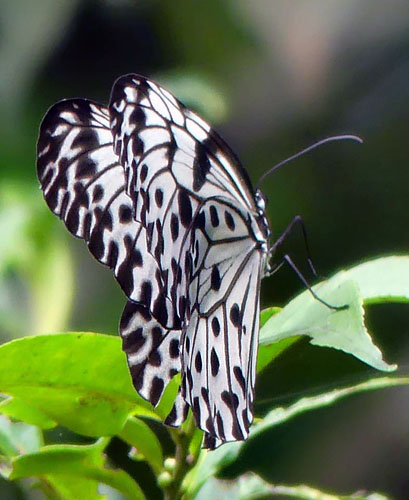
point(261, 202)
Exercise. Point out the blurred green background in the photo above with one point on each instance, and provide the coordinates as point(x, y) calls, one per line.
point(272, 77)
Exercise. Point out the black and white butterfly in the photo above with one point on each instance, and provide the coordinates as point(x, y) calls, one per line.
point(161, 199)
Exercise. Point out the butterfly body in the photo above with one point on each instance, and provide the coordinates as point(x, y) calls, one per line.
point(161, 199)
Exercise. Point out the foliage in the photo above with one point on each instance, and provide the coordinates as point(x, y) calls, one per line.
point(80, 381)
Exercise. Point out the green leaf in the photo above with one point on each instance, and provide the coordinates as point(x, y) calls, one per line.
point(280, 415)
point(381, 280)
point(268, 352)
point(18, 410)
point(252, 487)
point(147, 446)
point(266, 314)
point(79, 380)
point(168, 397)
point(344, 330)
point(211, 463)
point(87, 462)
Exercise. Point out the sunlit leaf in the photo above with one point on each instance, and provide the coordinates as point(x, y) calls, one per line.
point(344, 330)
point(79, 380)
point(381, 280)
point(266, 314)
point(18, 410)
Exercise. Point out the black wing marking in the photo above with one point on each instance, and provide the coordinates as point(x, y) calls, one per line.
point(84, 184)
point(220, 340)
point(173, 162)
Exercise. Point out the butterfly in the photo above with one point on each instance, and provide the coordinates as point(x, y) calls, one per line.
point(160, 198)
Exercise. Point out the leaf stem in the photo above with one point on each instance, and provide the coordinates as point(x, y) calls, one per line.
point(184, 461)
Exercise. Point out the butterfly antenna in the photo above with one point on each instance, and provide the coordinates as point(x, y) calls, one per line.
point(306, 150)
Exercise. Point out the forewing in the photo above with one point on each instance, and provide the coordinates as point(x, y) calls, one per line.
point(84, 184)
point(173, 162)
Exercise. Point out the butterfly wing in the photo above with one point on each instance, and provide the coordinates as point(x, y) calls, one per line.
point(219, 344)
point(152, 351)
point(160, 198)
point(173, 162)
point(84, 184)
point(197, 203)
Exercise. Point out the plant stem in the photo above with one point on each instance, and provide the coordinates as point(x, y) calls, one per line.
point(184, 462)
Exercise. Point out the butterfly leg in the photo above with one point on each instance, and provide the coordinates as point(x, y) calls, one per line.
point(300, 222)
point(287, 260)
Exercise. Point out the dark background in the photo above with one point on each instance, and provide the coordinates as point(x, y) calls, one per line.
point(272, 77)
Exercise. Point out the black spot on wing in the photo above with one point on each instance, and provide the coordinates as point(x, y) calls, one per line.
point(220, 426)
point(214, 362)
point(215, 327)
point(159, 197)
point(185, 207)
point(238, 373)
point(235, 314)
point(174, 226)
point(125, 214)
point(215, 280)
point(214, 216)
point(200, 221)
point(198, 362)
point(196, 409)
point(133, 341)
point(86, 139)
point(160, 311)
point(146, 293)
point(86, 168)
point(156, 390)
point(143, 173)
point(98, 193)
point(201, 167)
point(174, 348)
point(113, 252)
point(155, 358)
point(229, 220)
point(231, 400)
